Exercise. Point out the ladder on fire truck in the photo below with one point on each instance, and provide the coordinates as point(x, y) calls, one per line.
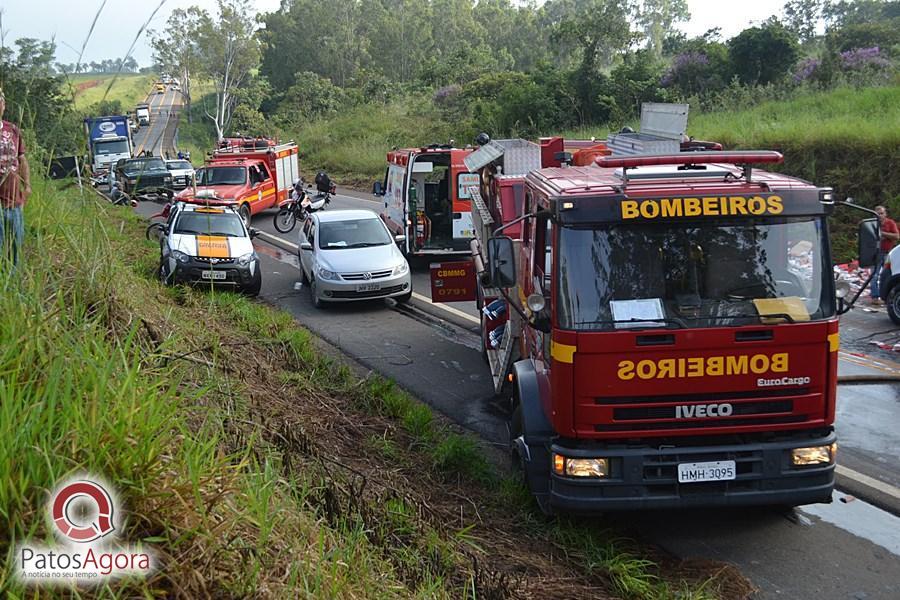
point(510, 158)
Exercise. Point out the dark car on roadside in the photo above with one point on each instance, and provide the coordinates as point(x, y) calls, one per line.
point(144, 175)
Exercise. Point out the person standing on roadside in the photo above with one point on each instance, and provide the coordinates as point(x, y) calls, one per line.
point(889, 236)
point(15, 187)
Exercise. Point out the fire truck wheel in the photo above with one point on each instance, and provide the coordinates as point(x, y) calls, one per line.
point(893, 304)
point(244, 211)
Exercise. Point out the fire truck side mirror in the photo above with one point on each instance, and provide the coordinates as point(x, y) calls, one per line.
point(501, 262)
point(868, 242)
point(377, 189)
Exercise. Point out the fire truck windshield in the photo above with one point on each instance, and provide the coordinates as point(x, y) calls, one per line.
point(694, 274)
point(221, 176)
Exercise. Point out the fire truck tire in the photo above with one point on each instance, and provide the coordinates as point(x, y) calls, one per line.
point(244, 211)
point(531, 432)
point(893, 304)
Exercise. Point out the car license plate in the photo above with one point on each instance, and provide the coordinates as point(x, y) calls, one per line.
point(720, 470)
point(217, 275)
point(368, 287)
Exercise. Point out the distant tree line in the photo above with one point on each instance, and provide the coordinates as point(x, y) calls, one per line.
point(525, 68)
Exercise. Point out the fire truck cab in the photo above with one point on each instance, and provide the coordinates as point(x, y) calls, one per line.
point(666, 329)
point(252, 180)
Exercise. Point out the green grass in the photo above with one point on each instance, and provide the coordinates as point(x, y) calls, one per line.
point(128, 88)
point(353, 145)
point(870, 116)
point(103, 371)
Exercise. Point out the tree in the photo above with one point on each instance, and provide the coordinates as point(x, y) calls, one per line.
point(601, 29)
point(802, 17)
point(762, 55)
point(657, 17)
point(228, 51)
point(177, 50)
point(843, 13)
point(36, 56)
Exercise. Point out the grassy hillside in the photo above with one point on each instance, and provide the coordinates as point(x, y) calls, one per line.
point(130, 89)
point(251, 462)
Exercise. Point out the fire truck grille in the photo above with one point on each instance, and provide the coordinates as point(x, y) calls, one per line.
point(716, 397)
point(657, 413)
point(739, 410)
point(704, 423)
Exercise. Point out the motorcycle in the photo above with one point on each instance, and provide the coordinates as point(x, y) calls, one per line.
point(300, 204)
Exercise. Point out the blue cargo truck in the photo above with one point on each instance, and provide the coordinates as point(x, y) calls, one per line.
point(109, 139)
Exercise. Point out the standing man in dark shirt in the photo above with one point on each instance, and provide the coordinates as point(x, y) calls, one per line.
point(889, 236)
point(15, 187)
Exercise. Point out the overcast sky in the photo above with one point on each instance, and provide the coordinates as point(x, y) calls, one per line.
point(68, 21)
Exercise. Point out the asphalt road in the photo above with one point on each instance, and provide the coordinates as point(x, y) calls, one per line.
point(848, 549)
point(158, 136)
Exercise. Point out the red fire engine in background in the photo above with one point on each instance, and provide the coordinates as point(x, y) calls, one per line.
point(250, 178)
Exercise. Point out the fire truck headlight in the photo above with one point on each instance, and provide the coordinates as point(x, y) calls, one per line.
point(814, 455)
point(535, 302)
point(580, 467)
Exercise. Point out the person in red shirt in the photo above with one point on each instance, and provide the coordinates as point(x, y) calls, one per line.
point(890, 233)
point(15, 187)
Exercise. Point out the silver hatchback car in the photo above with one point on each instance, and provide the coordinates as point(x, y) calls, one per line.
point(348, 255)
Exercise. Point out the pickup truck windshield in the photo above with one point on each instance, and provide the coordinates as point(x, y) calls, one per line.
point(222, 176)
point(693, 274)
point(145, 164)
point(111, 147)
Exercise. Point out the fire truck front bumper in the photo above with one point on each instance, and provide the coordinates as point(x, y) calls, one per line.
point(788, 472)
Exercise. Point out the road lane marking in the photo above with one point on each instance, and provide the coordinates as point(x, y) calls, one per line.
point(871, 482)
point(870, 362)
point(449, 309)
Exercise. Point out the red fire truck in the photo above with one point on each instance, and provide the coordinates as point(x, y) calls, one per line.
point(665, 327)
point(251, 179)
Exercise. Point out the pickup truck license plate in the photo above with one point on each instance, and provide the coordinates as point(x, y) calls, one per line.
point(368, 287)
point(720, 470)
point(216, 275)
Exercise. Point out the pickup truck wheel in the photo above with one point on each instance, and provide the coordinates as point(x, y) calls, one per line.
point(893, 304)
point(244, 211)
point(255, 285)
